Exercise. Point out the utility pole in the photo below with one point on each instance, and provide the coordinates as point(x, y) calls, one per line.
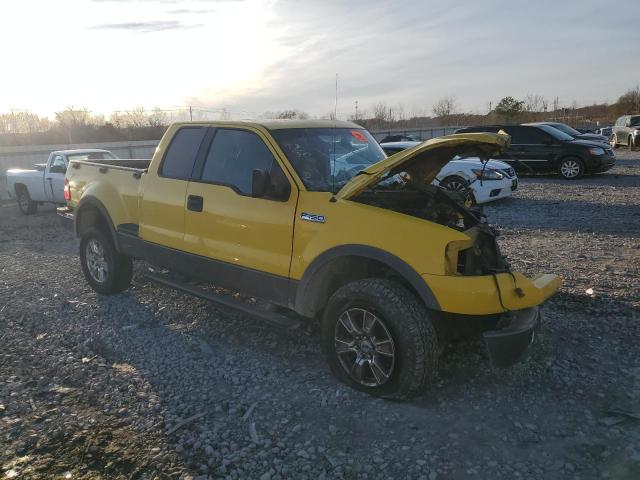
point(356, 110)
point(190, 113)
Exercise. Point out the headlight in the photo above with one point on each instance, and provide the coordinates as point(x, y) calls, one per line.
point(596, 151)
point(488, 174)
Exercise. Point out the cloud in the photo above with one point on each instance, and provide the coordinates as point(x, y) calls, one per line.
point(146, 27)
point(190, 11)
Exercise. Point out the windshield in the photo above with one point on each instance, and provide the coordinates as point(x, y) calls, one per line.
point(555, 133)
point(92, 156)
point(327, 158)
point(634, 121)
point(566, 129)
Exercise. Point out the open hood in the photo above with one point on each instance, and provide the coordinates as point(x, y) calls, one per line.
point(424, 161)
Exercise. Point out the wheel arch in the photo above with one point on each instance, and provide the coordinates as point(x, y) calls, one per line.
point(347, 263)
point(20, 186)
point(91, 212)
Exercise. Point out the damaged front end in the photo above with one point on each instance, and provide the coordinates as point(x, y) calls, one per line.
point(478, 286)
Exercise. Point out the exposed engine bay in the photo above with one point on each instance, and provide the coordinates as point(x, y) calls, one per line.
point(410, 192)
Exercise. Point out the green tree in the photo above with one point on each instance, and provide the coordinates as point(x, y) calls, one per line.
point(509, 108)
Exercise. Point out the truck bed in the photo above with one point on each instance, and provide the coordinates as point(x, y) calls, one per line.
point(117, 181)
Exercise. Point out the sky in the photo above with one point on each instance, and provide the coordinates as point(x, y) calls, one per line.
point(252, 56)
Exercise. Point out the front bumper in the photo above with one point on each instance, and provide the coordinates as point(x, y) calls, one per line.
point(493, 189)
point(510, 344)
point(601, 163)
point(478, 295)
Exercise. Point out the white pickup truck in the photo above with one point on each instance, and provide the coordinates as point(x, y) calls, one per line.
point(46, 183)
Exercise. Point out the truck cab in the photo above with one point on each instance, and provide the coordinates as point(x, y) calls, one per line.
point(45, 183)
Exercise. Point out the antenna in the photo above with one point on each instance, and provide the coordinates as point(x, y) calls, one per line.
point(335, 107)
point(333, 145)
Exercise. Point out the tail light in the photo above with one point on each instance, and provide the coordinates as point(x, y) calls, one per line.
point(67, 190)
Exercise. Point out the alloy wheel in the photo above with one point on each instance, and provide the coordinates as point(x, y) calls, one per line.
point(364, 346)
point(570, 169)
point(23, 201)
point(96, 261)
point(456, 186)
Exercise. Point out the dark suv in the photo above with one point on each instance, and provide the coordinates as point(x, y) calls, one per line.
point(541, 148)
point(626, 131)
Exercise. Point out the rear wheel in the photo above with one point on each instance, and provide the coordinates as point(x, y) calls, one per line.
point(107, 271)
point(377, 337)
point(25, 204)
point(571, 168)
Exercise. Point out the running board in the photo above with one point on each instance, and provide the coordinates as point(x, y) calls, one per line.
point(275, 318)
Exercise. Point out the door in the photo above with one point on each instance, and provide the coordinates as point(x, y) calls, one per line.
point(163, 205)
point(532, 147)
point(54, 179)
point(247, 234)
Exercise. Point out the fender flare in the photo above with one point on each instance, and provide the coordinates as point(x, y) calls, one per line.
point(97, 204)
point(305, 285)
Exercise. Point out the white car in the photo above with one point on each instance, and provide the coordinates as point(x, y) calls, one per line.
point(486, 182)
point(46, 182)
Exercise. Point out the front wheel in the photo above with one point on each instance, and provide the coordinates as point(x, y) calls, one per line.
point(377, 337)
point(107, 271)
point(571, 168)
point(25, 204)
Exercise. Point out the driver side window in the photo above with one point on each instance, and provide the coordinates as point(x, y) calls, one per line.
point(232, 158)
point(58, 165)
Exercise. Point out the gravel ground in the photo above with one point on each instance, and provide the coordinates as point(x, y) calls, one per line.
point(155, 384)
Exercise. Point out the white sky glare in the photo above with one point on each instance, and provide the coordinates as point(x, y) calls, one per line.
point(250, 56)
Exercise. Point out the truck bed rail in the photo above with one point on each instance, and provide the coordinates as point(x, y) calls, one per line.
point(136, 165)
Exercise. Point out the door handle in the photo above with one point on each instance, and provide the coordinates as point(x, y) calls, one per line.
point(194, 203)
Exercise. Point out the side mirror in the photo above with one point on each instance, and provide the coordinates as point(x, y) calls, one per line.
point(260, 182)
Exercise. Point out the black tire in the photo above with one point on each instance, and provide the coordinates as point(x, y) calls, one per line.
point(108, 273)
point(25, 204)
point(455, 183)
point(630, 144)
point(402, 317)
point(571, 168)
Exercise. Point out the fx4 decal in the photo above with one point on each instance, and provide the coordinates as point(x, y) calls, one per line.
point(312, 217)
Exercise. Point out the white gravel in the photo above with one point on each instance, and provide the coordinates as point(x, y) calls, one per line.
point(155, 384)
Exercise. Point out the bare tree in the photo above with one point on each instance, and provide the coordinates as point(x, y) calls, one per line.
point(157, 118)
point(629, 102)
point(135, 118)
point(534, 103)
point(380, 110)
point(445, 110)
point(445, 107)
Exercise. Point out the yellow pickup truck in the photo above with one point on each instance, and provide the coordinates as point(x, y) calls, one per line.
point(314, 221)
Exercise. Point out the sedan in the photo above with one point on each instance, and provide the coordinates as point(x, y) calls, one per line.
point(482, 182)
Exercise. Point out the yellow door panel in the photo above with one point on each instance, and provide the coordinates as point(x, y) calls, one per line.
point(245, 231)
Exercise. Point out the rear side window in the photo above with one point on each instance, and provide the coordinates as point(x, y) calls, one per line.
point(528, 136)
point(233, 156)
point(181, 154)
